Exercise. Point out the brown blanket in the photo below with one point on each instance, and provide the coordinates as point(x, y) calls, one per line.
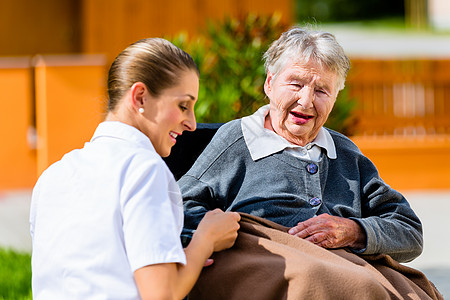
point(268, 263)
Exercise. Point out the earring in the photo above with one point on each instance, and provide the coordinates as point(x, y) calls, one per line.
point(141, 110)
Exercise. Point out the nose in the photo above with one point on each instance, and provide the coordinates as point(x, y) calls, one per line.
point(190, 124)
point(306, 98)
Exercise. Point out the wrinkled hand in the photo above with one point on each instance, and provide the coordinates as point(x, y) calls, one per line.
point(219, 228)
point(331, 232)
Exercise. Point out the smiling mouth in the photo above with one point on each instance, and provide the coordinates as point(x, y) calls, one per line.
point(173, 135)
point(300, 115)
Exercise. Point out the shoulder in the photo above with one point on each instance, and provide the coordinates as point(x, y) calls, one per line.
point(349, 154)
point(227, 142)
point(343, 143)
point(145, 163)
point(231, 128)
point(226, 136)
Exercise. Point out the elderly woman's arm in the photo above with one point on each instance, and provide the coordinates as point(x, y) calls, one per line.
point(391, 227)
point(390, 224)
point(365, 214)
point(197, 199)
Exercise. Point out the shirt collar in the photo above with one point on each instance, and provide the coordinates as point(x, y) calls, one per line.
point(262, 142)
point(119, 130)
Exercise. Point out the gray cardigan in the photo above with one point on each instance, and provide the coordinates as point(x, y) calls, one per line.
point(280, 188)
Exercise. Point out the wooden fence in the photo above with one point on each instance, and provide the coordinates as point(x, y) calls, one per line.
point(108, 26)
point(17, 151)
point(49, 105)
point(111, 25)
point(403, 109)
point(409, 163)
point(401, 97)
point(403, 115)
point(70, 103)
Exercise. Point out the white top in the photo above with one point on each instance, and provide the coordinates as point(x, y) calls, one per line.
point(262, 142)
point(101, 213)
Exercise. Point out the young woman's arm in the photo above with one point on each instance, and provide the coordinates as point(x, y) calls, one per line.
point(217, 231)
point(156, 281)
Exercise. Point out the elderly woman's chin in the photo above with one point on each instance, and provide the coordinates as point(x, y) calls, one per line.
point(301, 125)
point(300, 134)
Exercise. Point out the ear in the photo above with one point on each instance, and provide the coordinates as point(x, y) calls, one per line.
point(268, 84)
point(137, 92)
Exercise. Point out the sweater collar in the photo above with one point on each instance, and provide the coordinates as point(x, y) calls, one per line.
point(263, 142)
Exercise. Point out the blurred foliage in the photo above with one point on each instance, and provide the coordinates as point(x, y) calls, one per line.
point(15, 275)
point(229, 57)
point(342, 117)
point(347, 10)
point(232, 75)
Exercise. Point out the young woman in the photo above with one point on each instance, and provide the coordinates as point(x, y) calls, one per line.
point(106, 219)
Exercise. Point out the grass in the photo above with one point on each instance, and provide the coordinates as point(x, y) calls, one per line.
point(15, 275)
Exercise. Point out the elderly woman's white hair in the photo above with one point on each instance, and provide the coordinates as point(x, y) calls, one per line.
point(307, 45)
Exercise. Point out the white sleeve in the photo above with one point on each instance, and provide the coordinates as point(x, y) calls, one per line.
point(34, 200)
point(152, 215)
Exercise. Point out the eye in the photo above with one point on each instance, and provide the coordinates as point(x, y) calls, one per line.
point(184, 105)
point(297, 86)
point(322, 92)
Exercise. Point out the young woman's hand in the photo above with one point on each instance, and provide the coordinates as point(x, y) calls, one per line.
point(219, 228)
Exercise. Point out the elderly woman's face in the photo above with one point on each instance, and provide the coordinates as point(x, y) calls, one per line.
point(301, 98)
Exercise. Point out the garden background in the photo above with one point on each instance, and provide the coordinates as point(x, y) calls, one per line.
point(54, 56)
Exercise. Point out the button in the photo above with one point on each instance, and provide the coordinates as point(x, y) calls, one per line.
point(315, 201)
point(309, 146)
point(312, 168)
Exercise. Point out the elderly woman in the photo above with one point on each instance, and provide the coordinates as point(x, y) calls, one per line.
point(282, 165)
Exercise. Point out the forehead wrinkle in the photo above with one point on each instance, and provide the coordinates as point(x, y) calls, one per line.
point(309, 76)
point(315, 70)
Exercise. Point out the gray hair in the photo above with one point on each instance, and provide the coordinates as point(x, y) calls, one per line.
point(307, 45)
point(155, 62)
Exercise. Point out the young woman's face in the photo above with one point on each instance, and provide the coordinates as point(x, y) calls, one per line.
point(172, 112)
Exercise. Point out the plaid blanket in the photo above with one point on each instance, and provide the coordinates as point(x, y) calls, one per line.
point(268, 263)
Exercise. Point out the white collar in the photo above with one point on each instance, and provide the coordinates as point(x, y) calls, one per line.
point(119, 130)
point(262, 142)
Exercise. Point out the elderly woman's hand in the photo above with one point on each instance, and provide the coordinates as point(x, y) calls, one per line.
point(331, 232)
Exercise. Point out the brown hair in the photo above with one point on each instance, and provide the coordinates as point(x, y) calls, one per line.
point(154, 61)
